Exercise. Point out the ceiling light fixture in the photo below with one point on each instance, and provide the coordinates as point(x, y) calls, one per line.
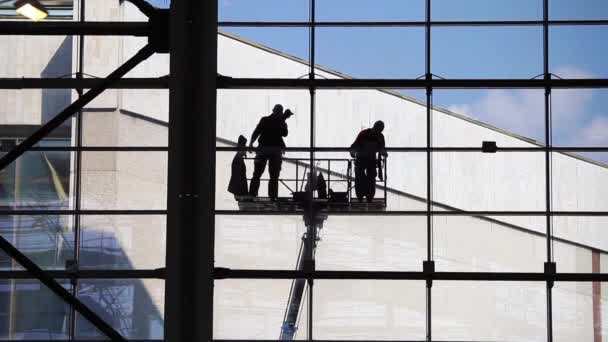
point(31, 9)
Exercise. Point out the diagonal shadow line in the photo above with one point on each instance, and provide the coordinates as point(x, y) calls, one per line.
point(32, 140)
point(77, 105)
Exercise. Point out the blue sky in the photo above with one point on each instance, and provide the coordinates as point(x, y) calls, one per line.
point(580, 116)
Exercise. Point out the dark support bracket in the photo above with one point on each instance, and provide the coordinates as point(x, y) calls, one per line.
point(158, 37)
point(428, 268)
point(59, 290)
point(72, 109)
point(550, 271)
point(489, 147)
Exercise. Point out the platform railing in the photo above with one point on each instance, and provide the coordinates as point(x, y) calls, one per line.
point(338, 173)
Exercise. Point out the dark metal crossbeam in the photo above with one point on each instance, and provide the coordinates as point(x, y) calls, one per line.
point(424, 149)
point(224, 82)
point(59, 290)
point(69, 28)
point(72, 109)
point(443, 23)
point(89, 274)
point(226, 273)
point(417, 213)
point(83, 83)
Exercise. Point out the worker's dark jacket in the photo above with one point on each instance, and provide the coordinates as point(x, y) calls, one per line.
point(271, 130)
point(238, 177)
point(368, 143)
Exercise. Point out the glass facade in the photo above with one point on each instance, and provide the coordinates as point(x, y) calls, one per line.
point(496, 172)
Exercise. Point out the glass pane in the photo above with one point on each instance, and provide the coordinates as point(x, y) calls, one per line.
point(580, 9)
point(577, 311)
point(36, 56)
point(510, 117)
point(495, 311)
point(488, 52)
point(258, 242)
point(574, 52)
point(369, 310)
point(135, 308)
point(142, 120)
point(579, 182)
point(30, 311)
point(371, 52)
point(368, 10)
point(486, 10)
point(38, 180)
point(263, 52)
point(486, 244)
point(256, 309)
point(48, 240)
point(262, 10)
point(342, 114)
point(122, 242)
point(240, 111)
point(579, 117)
point(124, 180)
point(578, 240)
point(503, 181)
point(372, 243)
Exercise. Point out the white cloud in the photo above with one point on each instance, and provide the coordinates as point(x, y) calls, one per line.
point(596, 133)
point(522, 112)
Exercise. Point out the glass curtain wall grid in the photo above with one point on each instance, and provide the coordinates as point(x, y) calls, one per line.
point(435, 209)
point(71, 242)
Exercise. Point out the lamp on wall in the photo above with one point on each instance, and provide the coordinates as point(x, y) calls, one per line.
point(31, 9)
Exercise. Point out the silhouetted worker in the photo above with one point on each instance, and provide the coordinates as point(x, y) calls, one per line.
point(238, 176)
point(271, 130)
point(369, 143)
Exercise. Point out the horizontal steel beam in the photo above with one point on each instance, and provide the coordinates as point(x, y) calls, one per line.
point(89, 274)
point(73, 28)
point(225, 273)
point(43, 212)
point(284, 83)
point(416, 213)
point(442, 23)
point(425, 149)
point(83, 83)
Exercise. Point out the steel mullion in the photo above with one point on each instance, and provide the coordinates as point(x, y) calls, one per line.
point(89, 274)
point(78, 173)
point(388, 149)
point(103, 148)
point(225, 82)
point(115, 212)
point(414, 23)
point(226, 273)
point(86, 83)
point(453, 212)
point(71, 28)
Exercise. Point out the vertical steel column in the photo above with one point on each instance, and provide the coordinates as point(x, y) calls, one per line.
point(191, 168)
point(78, 170)
point(429, 181)
point(312, 226)
point(549, 265)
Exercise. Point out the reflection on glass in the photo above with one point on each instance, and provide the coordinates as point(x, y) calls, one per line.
point(135, 308)
point(30, 311)
point(122, 242)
